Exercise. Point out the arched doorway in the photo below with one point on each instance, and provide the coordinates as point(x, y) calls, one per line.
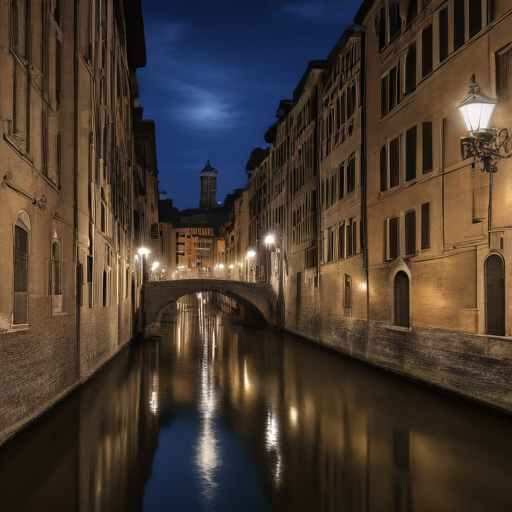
point(495, 295)
point(401, 300)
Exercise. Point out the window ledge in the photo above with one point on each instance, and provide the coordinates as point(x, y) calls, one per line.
point(14, 329)
point(398, 328)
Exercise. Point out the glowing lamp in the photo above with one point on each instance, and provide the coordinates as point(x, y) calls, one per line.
point(477, 109)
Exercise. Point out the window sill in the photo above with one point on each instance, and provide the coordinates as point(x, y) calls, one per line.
point(398, 328)
point(12, 329)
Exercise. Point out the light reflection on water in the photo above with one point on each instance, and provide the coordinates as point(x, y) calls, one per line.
point(217, 416)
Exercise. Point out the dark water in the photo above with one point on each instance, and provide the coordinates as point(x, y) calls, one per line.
point(217, 416)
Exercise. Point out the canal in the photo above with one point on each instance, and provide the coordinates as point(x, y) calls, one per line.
point(218, 414)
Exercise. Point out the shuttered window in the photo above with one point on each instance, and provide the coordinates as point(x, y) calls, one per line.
point(394, 162)
point(443, 34)
point(410, 153)
point(427, 158)
point(503, 71)
point(425, 225)
point(393, 238)
point(20, 315)
point(410, 69)
point(383, 169)
point(427, 60)
point(401, 300)
point(494, 296)
point(410, 233)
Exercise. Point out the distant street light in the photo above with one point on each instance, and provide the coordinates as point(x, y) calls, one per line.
point(250, 254)
point(143, 252)
point(269, 240)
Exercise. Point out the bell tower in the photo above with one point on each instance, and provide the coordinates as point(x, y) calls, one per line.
point(208, 176)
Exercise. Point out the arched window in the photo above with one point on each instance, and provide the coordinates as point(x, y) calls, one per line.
point(401, 300)
point(20, 306)
point(495, 295)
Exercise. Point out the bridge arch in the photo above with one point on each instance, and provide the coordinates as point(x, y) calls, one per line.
point(261, 298)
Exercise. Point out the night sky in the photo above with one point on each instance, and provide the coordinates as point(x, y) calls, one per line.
point(216, 71)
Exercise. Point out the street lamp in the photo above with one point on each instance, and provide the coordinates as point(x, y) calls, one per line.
point(269, 240)
point(153, 268)
point(143, 252)
point(250, 254)
point(484, 144)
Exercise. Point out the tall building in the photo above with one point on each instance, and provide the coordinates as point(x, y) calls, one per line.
point(77, 165)
point(390, 243)
point(208, 178)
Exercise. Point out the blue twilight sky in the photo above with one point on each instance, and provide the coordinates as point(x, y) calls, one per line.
point(216, 71)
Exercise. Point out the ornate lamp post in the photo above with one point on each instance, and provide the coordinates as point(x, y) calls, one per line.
point(484, 144)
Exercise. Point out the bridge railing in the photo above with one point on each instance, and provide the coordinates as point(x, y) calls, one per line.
point(225, 276)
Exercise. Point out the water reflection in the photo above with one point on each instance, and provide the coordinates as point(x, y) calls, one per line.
point(219, 416)
point(208, 458)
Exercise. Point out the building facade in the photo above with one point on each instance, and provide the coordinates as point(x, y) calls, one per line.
point(390, 244)
point(68, 294)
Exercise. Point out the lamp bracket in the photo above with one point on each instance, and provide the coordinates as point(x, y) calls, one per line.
point(487, 146)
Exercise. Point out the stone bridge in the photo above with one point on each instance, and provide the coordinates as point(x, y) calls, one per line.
point(261, 298)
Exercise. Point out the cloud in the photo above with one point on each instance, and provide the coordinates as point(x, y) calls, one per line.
point(319, 11)
point(192, 85)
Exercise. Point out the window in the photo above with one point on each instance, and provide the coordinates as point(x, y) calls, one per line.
point(401, 299)
point(410, 233)
point(310, 258)
point(391, 238)
point(380, 26)
point(351, 173)
point(494, 296)
point(341, 181)
point(443, 34)
point(475, 17)
point(503, 60)
point(330, 245)
point(425, 225)
point(105, 289)
point(427, 157)
point(426, 50)
point(19, 37)
point(90, 266)
point(394, 162)
point(410, 153)
point(341, 240)
point(410, 69)
point(383, 168)
point(351, 237)
point(20, 309)
point(103, 217)
point(347, 295)
point(458, 24)
point(389, 91)
point(56, 270)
